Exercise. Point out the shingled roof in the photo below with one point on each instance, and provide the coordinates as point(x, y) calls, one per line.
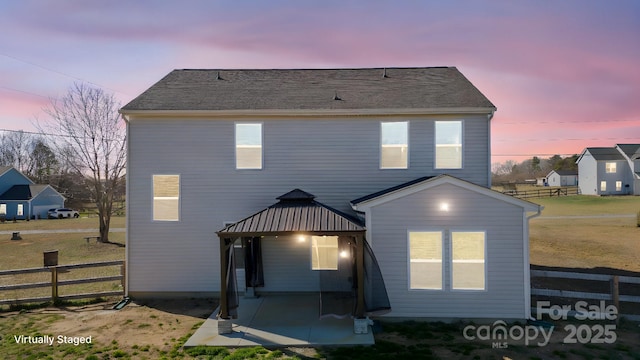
point(631, 150)
point(22, 192)
point(604, 153)
point(311, 89)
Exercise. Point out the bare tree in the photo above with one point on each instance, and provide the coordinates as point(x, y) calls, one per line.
point(91, 137)
point(15, 150)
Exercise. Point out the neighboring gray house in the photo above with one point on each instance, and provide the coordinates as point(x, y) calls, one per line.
point(631, 153)
point(21, 198)
point(562, 178)
point(609, 170)
point(392, 160)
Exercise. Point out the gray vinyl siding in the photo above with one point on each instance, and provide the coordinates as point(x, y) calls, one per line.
point(287, 265)
point(336, 159)
point(504, 296)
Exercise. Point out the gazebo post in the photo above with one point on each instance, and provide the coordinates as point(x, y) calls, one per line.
point(224, 322)
point(224, 306)
point(360, 275)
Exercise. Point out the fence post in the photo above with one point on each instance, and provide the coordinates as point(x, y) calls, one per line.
point(54, 284)
point(615, 294)
point(123, 273)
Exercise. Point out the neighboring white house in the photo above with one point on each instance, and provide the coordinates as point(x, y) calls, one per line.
point(562, 178)
point(610, 170)
point(399, 157)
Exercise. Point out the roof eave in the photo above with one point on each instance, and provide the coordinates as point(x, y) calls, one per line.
point(224, 234)
point(437, 180)
point(128, 114)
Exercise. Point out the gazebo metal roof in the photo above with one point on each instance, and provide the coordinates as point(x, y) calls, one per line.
point(296, 211)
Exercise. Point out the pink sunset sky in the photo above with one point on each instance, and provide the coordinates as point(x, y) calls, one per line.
point(564, 75)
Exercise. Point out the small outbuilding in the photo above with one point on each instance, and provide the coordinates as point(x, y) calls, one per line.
point(562, 178)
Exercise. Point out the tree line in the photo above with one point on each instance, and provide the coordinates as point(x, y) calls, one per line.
point(80, 150)
point(533, 168)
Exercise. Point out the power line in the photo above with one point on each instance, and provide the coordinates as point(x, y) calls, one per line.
point(572, 139)
point(564, 122)
point(26, 92)
point(62, 73)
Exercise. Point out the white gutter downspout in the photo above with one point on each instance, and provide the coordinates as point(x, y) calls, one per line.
point(127, 211)
point(527, 266)
point(489, 117)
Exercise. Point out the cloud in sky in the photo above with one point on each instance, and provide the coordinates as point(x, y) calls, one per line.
point(563, 74)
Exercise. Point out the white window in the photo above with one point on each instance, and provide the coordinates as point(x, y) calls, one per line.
point(3, 209)
point(448, 144)
point(166, 197)
point(425, 260)
point(468, 260)
point(603, 186)
point(610, 167)
point(324, 253)
point(248, 146)
point(394, 145)
point(618, 185)
point(20, 211)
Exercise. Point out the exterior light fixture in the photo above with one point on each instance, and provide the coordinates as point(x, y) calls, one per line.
point(301, 238)
point(344, 254)
point(444, 206)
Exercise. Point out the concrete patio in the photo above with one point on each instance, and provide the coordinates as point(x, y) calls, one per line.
point(280, 320)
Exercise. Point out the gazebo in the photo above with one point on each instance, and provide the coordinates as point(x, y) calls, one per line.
point(298, 214)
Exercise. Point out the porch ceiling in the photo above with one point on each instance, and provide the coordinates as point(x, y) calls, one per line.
point(297, 211)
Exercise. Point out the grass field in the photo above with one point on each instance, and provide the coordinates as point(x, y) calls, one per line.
point(72, 249)
point(609, 241)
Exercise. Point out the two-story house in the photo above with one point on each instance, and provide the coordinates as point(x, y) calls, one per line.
point(610, 170)
point(299, 172)
point(21, 198)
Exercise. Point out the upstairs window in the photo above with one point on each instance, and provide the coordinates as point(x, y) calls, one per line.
point(468, 260)
point(324, 253)
point(166, 197)
point(448, 144)
point(394, 145)
point(248, 146)
point(610, 167)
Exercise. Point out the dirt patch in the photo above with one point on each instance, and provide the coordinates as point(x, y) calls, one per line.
point(146, 329)
point(153, 323)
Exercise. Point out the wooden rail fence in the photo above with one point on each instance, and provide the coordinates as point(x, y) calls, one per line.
point(613, 295)
point(543, 192)
point(55, 282)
